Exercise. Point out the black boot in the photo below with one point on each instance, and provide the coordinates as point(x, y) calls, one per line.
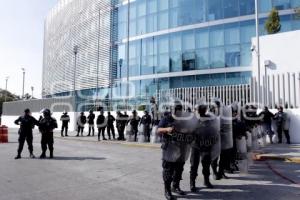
point(43, 155)
point(176, 189)
point(193, 185)
point(168, 193)
point(51, 154)
point(18, 157)
point(207, 182)
point(215, 174)
point(32, 155)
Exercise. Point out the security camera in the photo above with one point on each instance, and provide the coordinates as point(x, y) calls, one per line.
point(253, 48)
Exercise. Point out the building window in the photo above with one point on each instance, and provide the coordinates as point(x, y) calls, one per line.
point(202, 61)
point(231, 8)
point(202, 38)
point(232, 56)
point(232, 34)
point(216, 36)
point(281, 4)
point(188, 81)
point(247, 7)
point(215, 10)
point(188, 61)
point(188, 40)
point(217, 57)
point(295, 3)
point(175, 42)
point(176, 62)
point(246, 54)
point(163, 20)
point(265, 6)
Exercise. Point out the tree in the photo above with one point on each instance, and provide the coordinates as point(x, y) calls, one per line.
point(272, 24)
point(297, 13)
point(9, 97)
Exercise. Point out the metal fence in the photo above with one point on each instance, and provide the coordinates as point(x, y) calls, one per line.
point(278, 89)
point(227, 94)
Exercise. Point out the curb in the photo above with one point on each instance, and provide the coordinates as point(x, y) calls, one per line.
point(264, 157)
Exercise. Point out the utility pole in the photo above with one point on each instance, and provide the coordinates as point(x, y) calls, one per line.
point(23, 89)
point(32, 88)
point(258, 50)
point(75, 51)
point(6, 80)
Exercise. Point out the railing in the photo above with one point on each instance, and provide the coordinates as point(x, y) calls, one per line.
point(277, 89)
point(227, 94)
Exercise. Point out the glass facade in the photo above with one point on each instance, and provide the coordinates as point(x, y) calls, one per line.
point(191, 43)
point(186, 43)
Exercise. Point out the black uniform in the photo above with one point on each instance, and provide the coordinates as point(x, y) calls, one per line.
point(65, 118)
point(206, 135)
point(239, 130)
point(80, 124)
point(175, 151)
point(26, 123)
point(91, 121)
point(101, 125)
point(47, 125)
point(110, 126)
point(134, 122)
point(266, 118)
point(121, 124)
point(146, 121)
point(281, 118)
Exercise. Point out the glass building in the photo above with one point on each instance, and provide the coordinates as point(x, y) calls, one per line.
point(156, 45)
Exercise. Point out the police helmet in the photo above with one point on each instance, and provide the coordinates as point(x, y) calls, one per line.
point(46, 111)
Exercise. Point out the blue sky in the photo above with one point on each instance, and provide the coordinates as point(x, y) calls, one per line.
point(21, 43)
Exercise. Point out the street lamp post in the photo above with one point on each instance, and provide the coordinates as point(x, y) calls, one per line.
point(32, 88)
point(23, 88)
point(6, 80)
point(75, 51)
point(98, 57)
point(258, 50)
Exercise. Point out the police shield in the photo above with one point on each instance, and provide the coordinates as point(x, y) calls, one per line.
point(141, 131)
point(216, 148)
point(177, 146)
point(226, 128)
point(207, 135)
point(154, 137)
point(129, 133)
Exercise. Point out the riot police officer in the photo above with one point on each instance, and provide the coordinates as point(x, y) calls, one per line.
point(47, 125)
point(91, 121)
point(134, 122)
point(27, 123)
point(101, 125)
point(177, 133)
point(146, 121)
point(65, 119)
point(80, 124)
point(121, 123)
point(206, 135)
point(110, 125)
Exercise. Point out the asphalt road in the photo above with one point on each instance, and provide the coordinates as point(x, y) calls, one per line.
point(89, 170)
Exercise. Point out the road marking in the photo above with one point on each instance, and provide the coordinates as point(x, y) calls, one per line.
point(280, 175)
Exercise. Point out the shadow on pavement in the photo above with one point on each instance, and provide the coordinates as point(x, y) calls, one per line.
point(260, 187)
point(77, 158)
